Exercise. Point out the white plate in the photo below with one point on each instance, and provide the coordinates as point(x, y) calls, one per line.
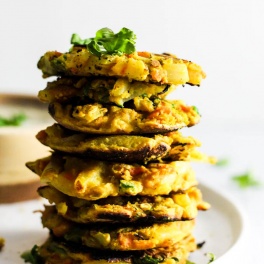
point(222, 228)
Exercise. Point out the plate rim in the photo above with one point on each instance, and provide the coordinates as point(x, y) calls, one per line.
point(239, 243)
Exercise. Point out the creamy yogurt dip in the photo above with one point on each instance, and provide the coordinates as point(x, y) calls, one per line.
point(18, 144)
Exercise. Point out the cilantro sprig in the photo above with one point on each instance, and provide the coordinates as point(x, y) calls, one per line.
point(107, 42)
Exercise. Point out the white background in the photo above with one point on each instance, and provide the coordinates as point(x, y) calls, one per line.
point(225, 37)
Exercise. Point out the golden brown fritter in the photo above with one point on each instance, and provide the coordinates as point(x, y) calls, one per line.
point(117, 236)
point(55, 251)
point(123, 148)
point(126, 209)
point(94, 179)
point(103, 90)
point(140, 66)
point(146, 116)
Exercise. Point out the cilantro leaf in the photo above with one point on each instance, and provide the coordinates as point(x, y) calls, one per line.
point(211, 257)
point(32, 256)
point(76, 40)
point(126, 184)
point(245, 180)
point(107, 42)
point(14, 120)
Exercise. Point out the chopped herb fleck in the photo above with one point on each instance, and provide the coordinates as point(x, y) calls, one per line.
point(211, 257)
point(222, 162)
point(126, 184)
point(246, 179)
point(195, 108)
point(147, 260)
point(15, 120)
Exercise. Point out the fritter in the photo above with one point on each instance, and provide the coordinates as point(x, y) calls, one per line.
point(125, 209)
point(139, 66)
point(56, 251)
point(94, 179)
point(123, 148)
point(117, 236)
point(146, 116)
point(101, 89)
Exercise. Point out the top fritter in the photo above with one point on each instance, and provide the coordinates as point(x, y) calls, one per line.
point(94, 57)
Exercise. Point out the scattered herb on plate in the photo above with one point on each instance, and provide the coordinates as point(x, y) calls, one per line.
point(246, 179)
point(15, 120)
point(211, 257)
point(222, 162)
point(107, 42)
point(189, 262)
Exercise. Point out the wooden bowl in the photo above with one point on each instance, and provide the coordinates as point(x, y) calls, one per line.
point(19, 145)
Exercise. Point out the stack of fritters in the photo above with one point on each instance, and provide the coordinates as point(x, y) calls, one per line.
point(119, 180)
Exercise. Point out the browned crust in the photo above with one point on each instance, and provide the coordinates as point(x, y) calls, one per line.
point(61, 139)
point(175, 254)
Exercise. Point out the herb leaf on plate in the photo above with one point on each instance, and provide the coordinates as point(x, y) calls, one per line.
point(246, 179)
point(211, 257)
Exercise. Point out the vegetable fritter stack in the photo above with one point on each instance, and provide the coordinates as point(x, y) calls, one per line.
point(119, 182)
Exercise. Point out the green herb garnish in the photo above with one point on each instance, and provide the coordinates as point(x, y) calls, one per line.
point(195, 108)
point(189, 262)
point(32, 256)
point(126, 184)
point(222, 162)
point(147, 260)
point(211, 257)
point(106, 42)
point(15, 120)
point(246, 180)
